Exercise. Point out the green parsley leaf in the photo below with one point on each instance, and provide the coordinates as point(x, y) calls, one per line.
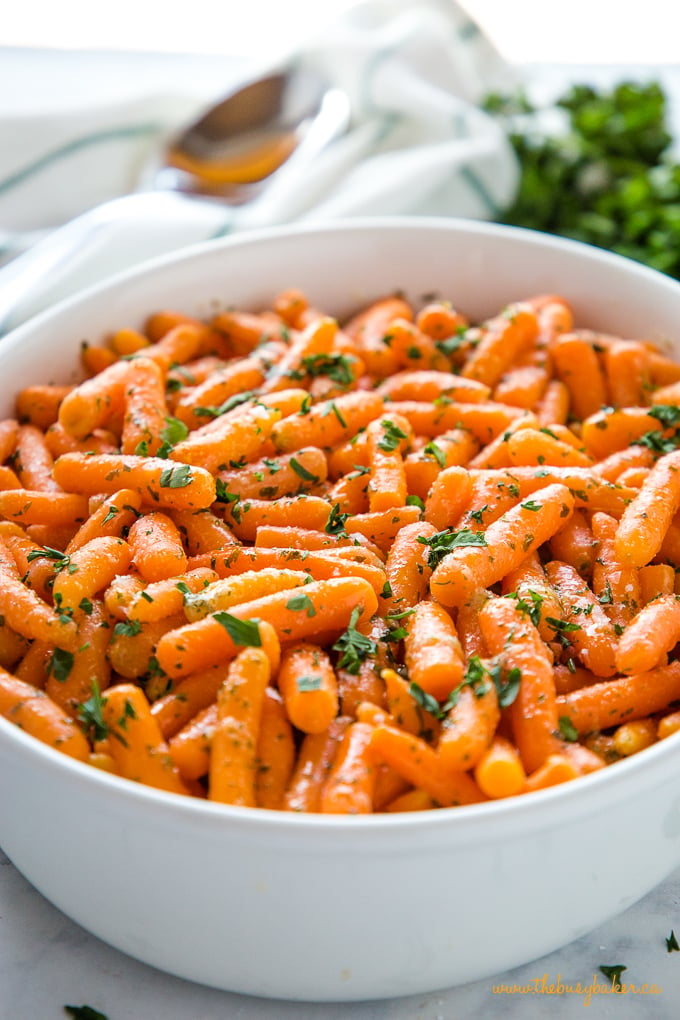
point(336, 366)
point(229, 404)
point(60, 664)
point(446, 541)
point(432, 450)
point(242, 632)
point(84, 1013)
point(112, 511)
point(392, 435)
point(606, 598)
point(302, 472)
point(175, 431)
point(507, 688)
point(91, 717)
point(306, 405)
point(176, 477)
point(301, 602)
point(667, 414)
point(386, 592)
point(308, 683)
point(415, 501)
point(127, 628)
point(335, 525)
point(86, 606)
point(142, 448)
point(613, 973)
point(424, 699)
point(672, 943)
point(354, 646)
point(567, 729)
point(531, 504)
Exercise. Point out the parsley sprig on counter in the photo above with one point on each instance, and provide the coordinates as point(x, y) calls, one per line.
point(607, 178)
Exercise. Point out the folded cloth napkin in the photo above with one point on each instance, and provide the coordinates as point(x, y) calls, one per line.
point(415, 141)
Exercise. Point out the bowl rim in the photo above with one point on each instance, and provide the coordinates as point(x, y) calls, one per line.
point(580, 796)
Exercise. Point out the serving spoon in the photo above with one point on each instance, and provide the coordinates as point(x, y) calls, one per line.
point(249, 152)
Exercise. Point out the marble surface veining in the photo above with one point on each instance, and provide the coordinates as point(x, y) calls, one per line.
point(47, 961)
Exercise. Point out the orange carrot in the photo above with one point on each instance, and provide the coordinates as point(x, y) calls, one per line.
point(33, 711)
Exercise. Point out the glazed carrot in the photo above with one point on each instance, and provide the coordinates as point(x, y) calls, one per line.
point(145, 410)
point(327, 424)
point(128, 341)
point(112, 519)
point(556, 769)
point(156, 547)
point(499, 772)
point(414, 349)
point(244, 330)
point(656, 579)
point(89, 570)
point(26, 613)
point(160, 323)
point(388, 440)
point(325, 607)
point(182, 343)
point(34, 665)
point(654, 631)
point(228, 438)
point(633, 737)
point(575, 543)
point(448, 497)
point(204, 532)
point(646, 520)
point(32, 506)
point(585, 625)
point(308, 687)
point(361, 680)
point(345, 561)
point(418, 763)
point(96, 359)
point(406, 568)
point(161, 599)
point(485, 420)
point(36, 571)
point(350, 784)
point(190, 746)
point(135, 741)
point(668, 725)
point(533, 712)
point(133, 645)
point(432, 651)
point(412, 800)
point(369, 328)
point(121, 593)
point(627, 370)
point(232, 591)
point(271, 478)
point(428, 385)
point(33, 461)
point(33, 711)
point(404, 710)
point(315, 759)
point(351, 492)
point(589, 490)
point(522, 387)
point(233, 750)
point(12, 647)
point(616, 584)
point(504, 339)
point(58, 441)
point(529, 447)
point(634, 478)
point(620, 700)
point(454, 448)
point(440, 320)
point(95, 402)
point(612, 467)
point(608, 431)
point(8, 479)
point(315, 340)
point(200, 403)
point(382, 526)
point(308, 540)
point(245, 519)
point(505, 544)
point(8, 437)
point(535, 595)
point(159, 482)
point(70, 678)
point(175, 710)
point(554, 407)
point(577, 367)
point(495, 454)
point(275, 752)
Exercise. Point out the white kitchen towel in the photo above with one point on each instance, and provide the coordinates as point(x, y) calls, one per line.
point(415, 142)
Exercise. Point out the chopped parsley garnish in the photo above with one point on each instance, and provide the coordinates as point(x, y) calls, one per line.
point(530, 606)
point(432, 450)
point(336, 366)
point(425, 700)
point(667, 414)
point(91, 717)
point(60, 664)
point(567, 729)
point(308, 683)
point(127, 628)
point(229, 404)
point(672, 943)
point(333, 407)
point(613, 973)
point(302, 472)
point(63, 562)
point(335, 525)
point(392, 436)
point(112, 511)
point(176, 477)
point(562, 629)
point(531, 504)
point(354, 646)
point(175, 431)
point(301, 602)
point(444, 542)
point(242, 632)
point(386, 592)
point(415, 501)
point(606, 598)
point(86, 606)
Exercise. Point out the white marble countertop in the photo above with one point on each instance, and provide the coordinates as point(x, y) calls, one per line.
point(47, 961)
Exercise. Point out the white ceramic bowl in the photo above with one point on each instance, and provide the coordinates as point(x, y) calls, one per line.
point(330, 908)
